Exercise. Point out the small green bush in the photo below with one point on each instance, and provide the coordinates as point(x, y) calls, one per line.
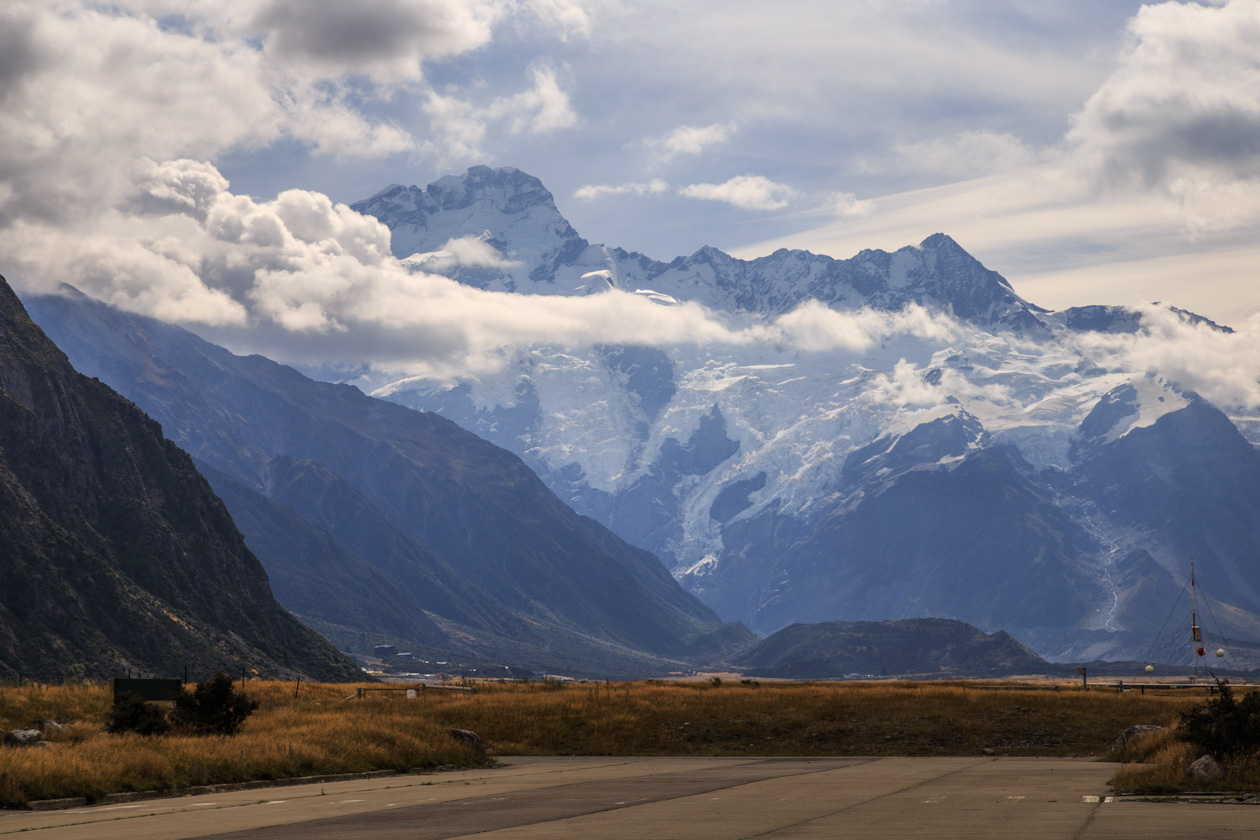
point(132, 714)
point(214, 707)
point(1224, 726)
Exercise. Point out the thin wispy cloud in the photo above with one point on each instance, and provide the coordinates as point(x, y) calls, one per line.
point(592, 191)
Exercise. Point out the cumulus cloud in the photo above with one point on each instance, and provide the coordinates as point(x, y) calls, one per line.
point(813, 327)
point(592, 191)
point(89, 88)
point(385, 39)
point(1180, 113)
point(304, 275)
point(464, 251)
point(747, 192)
point(116, 112)
point(1223, 367)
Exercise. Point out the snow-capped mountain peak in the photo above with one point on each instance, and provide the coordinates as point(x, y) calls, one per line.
point(542, 254)
point(514, 208)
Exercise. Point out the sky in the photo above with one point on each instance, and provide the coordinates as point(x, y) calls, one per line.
point(192, 159)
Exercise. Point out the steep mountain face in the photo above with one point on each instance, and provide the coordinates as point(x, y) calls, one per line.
point(458, 528)
point(937, 447)
point(116, 555)
point(981, 535)
point(921, 647)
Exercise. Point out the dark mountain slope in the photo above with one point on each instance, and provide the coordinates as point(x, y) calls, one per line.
point(978, 540)
point(476, 507)
point(1192, 475)
point(116, 553)
point(333, 505)
point(314, 574)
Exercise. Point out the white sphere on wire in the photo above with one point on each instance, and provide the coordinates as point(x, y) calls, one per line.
point(1220, 652)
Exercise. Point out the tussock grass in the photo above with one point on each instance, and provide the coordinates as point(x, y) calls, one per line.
point(801, 719)
point(1156, 765)
point(317, 733)
point(314, 734)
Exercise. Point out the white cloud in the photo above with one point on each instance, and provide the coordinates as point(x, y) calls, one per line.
point(542, 109)
point(474, 251)
point(747, 192)
point(846, 205)
point(593, 191)
point(813, 327)
point(458, 127)
point(571, 18)
point(469, 251)
point(688, 140)
point(1223, 367)
point(461, 126)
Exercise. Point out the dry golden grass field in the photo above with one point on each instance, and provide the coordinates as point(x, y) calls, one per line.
point(319, 732)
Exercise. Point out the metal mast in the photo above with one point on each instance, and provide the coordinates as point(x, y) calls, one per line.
point(1196, 645)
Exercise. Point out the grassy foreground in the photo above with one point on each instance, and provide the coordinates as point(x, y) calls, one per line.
point(318, 733)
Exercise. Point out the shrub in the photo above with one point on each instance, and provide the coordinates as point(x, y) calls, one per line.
point(132, 714)
point(1224, 726)
point(215, 707)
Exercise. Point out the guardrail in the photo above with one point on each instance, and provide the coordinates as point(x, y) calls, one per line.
point(412, 692)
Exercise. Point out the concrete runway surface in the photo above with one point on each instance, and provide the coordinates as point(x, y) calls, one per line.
point(672, 798)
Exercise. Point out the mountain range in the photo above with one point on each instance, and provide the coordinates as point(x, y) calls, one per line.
point(905, 438)
point(966, 454)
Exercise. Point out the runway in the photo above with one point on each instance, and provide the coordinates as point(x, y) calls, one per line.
point(671, 798)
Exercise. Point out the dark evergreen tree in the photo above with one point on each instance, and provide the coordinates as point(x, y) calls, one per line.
point(214, 707)
point(132, 714)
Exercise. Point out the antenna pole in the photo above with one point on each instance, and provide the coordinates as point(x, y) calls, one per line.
point(1196, 635)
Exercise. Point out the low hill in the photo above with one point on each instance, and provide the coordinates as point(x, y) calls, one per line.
point(922, 647)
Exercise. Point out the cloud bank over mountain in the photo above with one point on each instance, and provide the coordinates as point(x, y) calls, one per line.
point(122, 118)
